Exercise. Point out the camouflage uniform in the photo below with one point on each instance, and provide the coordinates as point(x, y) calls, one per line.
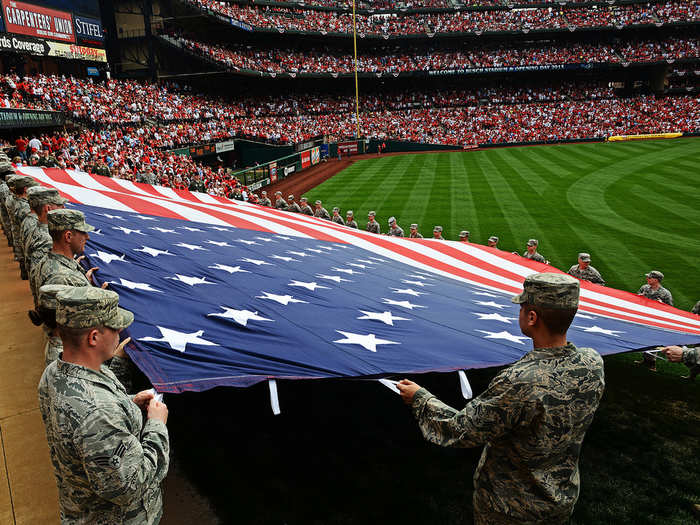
point(336, 217)
point(322, 213)
point(589, 274)
point(264, 201)
point(396, 231)
point(108, 463)
point(306, 209)
point(531, 419)
point(281, 204)
point(8, 173)
point(372, 225)
point(536, 256)
point(696, 308)
point(660, 293)
point(350, 221)
point(37, 247)
point(293, 207)
point(413, 233)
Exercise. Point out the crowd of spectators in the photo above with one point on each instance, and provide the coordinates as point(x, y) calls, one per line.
point(140, 150)
point(388, 60)
point(506, 19)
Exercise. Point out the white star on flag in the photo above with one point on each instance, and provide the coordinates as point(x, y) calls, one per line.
point(384, 317)
point(283, 258)
point(368, 341)
point(284, 238)
point(189, 279)
point(282, 299)
point(403, 304)
point(418, 276)
point(191, 246)
point(494, 317)
point(220, 229)
point(265, 239)
point(256, 262)
point(298, 254)
point(179, 340)
point(377, 259)
point(598, 330)
point(314, 250)
point(135, 286)
point(145, 218)
point(309, 286)
point(415, 283)
point(356, 265)
point(346, 270)
point(107, 257)
point(164, 230)
point(229, 269)
point(490, 303)
point(97, 232)
point(240, 316)
point(220, 244)
point(245, 241)
point(127, 231)
point(190, 229)
point(503, 335)
point(153, 252)
point(326, 248)
point(112, 217)
point(336, 278)
point(486, 294)
point(365, 261)
point(407, 291)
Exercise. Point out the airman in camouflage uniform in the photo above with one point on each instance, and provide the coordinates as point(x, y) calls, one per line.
point(305, 208)
point(414, 233)
point(464, 236)
point(532, 253)
point(336, 216)
point(6, 171)
point(264, 201)
point(350, 219)
point(108, 463)
point(584, 270)
point(531, 419)
point(690, 357)
point(69, 232)
point(437, 233)
point(372, 225)
point(19, 212)
point(38, 242)
point(280, 203)
point(293, 206)
point(321, 212)
point(394, 229)
point(653, 289)
point(47, 312)
point(696, 309)
point(492, 242)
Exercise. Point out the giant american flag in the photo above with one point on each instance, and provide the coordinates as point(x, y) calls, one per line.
point(230, 293)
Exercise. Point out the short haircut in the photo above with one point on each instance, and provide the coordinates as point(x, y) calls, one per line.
point(74, 336)
point(557, 320)
point(48, 316)
point(56, 235)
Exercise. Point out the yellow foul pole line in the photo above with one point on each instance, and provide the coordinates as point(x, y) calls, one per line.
point(357, 96)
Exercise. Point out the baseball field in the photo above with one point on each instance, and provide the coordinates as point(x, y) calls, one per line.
point(348, 452)
point(631, 205)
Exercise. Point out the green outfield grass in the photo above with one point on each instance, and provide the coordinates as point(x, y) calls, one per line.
point(633, 205)
point(348, 452)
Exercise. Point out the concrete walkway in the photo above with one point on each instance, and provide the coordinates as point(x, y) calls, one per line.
point(28, 493)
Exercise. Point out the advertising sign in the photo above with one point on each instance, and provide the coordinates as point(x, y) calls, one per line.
point(315, 155)
point(347, 148)
point(226, 145)
point(88, 30)
point(305, 159)
point(273, 172)
point(37, 21)
point(75, 52)
point(29, 118)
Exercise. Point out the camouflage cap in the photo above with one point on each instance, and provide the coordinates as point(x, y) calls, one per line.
point(655, 274)
point(40, 196)
point(263, 192)
point(464, 233)
point(371, 213)
point(10, 181)
point(303, 199)
point(585, 257)
point(278, 193)
point(24, 181)
point(335, 208)
point(318, 202)
point(89, 306)
point(437, 229)
point(414, 226)
point(349, 213)
point(47, 295)
point(290, 197)
point(493, 238)
point(6, 166)
point(392, 219)
point(532, 242)
point(63, 219)
point(549, 290)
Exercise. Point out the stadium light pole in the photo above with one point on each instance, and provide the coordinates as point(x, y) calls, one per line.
point(357, 96)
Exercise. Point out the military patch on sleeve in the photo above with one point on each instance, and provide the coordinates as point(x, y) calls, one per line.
point(115, 460)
